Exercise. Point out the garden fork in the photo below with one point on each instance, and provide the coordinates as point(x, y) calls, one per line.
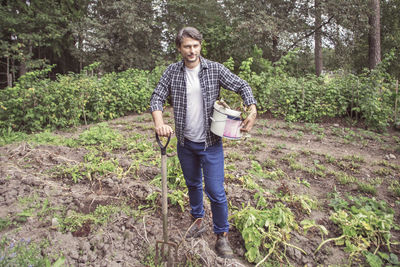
point(165, 256)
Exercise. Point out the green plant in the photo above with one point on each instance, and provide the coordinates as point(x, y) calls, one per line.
point(26, 253)
point(365, 224)
point(5, 223)
point(377, 260)
point(383, 172)
point(344, 178)
point(73, 220)
point(178, 197)
point(303, 182)
point(151, 201)
point(395, 188)
point(308, 224)
point(269, 163)
point(102, 136)
point(305, 202)
point(46, 137)
point(366, 188)
point(265, 232)
point(93, 168)
point(248, 182)
point(234, 156)
point(8, 136)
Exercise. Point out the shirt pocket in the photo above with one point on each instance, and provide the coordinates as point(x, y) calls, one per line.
point(212, 89)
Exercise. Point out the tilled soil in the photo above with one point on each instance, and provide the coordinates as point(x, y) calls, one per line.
point(32, 193)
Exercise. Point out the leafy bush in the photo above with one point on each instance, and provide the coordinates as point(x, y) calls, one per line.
point(369, 96)
point(36, 102)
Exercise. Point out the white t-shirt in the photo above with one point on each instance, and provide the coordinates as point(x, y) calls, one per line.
point(194, 128)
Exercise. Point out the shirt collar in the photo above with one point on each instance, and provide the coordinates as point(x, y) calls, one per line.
point(203, 64)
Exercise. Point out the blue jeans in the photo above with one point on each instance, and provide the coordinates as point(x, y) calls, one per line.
point(196, 163)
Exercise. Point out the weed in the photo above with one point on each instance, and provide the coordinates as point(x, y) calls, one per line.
point(330, 159)
point(303, 182)
point(233, 156)
point(178, 197)
point(306, 153)
point(5, 223)
point(8, 136)
point(33, 205)
point(354, 158)
point(344, 178)
point(349, 166)
point(248, 182)
point(276, 174)
point(151, 201)
point(93, 168)
point(395, 188)
point(47, 137)
point(383, 172)
point(102, 136)
point(298, 135)
point(73, 221)
point(269, 132)
point(279, 147)
point(386, 163)
point(269, 163)
point(26, 253)
point(320, 137)
point(366, 188)
point(230, 167)
point(314, 128)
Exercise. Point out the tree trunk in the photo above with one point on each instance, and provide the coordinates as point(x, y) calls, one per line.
point(9, 76)
point(374, 34)
point(275, 51)
point(23, 68)
point(318, 39)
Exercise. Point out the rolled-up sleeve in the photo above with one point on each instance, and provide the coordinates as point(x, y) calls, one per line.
point(232, 82)
point(161, 92)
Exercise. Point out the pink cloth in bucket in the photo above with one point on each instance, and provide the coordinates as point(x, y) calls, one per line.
point(232, 127)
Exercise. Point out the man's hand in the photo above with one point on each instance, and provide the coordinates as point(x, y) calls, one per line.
point(159, 126)
point(248, 123)
point(164, 130)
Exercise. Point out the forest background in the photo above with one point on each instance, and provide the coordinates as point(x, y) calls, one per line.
point(306, 60)
point(66, 63)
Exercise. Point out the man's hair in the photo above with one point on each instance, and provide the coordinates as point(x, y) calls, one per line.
point(188, 32)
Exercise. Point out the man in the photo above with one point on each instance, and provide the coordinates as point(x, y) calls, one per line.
point(194, 85)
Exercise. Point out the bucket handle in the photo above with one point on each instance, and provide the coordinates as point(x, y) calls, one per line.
point(214, 120)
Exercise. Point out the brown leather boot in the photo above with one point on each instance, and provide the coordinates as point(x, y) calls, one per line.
point(222, 246)
point(197, 228)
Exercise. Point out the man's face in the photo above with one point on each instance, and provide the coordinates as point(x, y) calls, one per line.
point(190, 50)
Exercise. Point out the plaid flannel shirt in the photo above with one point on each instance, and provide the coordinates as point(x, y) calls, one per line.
point(212, 76)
